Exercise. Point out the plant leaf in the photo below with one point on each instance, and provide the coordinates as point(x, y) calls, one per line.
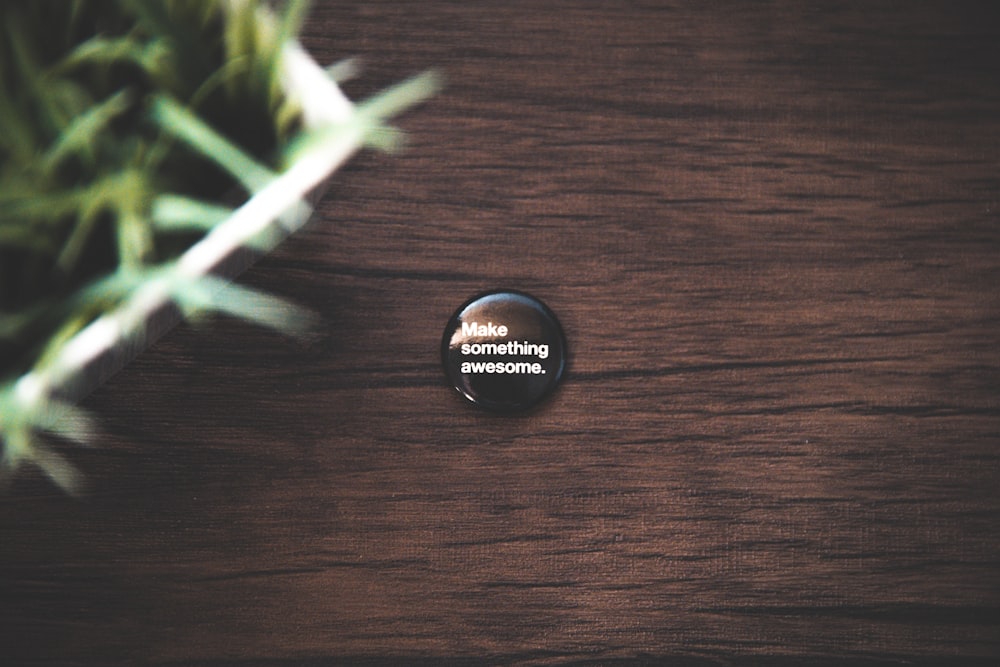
point(82, 134)
point(172, 212)
point(210, 293)
point(188, 127)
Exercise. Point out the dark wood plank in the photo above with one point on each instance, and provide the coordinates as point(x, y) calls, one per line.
point(771, 234)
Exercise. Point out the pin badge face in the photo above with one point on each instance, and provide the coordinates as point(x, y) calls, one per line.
point(504, 351)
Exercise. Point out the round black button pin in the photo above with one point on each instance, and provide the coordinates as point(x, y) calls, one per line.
point(504, 351)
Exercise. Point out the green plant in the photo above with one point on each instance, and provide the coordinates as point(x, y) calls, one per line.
point(126, 126)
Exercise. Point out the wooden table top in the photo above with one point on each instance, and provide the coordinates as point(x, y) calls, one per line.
point(771, 234)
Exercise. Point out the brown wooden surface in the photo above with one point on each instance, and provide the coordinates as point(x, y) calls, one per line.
point(772, 236)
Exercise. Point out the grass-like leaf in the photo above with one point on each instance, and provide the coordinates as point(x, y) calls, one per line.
point(81, 137)
point(212, 294)
point(172, 212)
point(186, 126)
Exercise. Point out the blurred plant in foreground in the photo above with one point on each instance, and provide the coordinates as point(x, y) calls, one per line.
point(126, 127)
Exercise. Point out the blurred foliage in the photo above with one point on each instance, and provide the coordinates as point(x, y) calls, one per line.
point(80, 161)
point(126, 126)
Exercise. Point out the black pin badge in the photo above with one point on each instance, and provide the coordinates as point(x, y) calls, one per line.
point(504, 351)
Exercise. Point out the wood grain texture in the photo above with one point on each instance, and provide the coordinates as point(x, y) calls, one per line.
point(771, 233)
